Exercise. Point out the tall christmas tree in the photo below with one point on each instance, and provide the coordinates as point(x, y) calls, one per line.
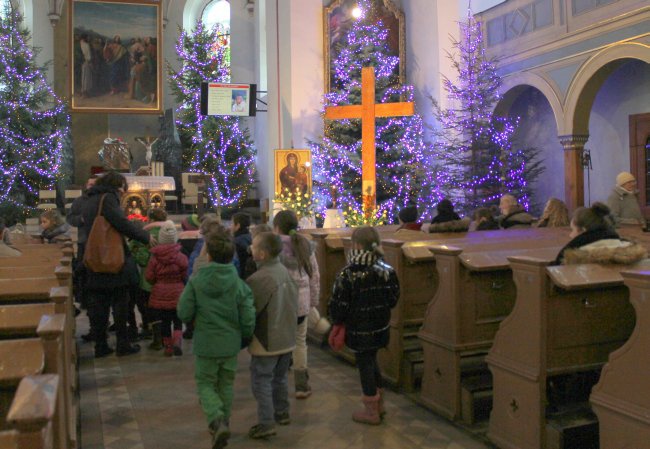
point(217, 146)
point(34, 124)
point(477, 156)
point(400, 147)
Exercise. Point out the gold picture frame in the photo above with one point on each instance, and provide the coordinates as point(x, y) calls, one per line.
point(293, 175)
point(115, 65)
point(337, 20)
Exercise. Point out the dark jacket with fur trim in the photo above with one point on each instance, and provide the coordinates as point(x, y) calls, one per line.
point(364, 292)
point(519, 218)
point(451, 226)
point(602, 247)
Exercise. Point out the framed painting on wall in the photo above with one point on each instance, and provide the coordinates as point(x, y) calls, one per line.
point(337, 21)
point(115, 49)
point(293, 171)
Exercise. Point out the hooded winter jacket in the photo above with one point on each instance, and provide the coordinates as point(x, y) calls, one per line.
point(221, 305)
point(166, 271)
point(364, 292)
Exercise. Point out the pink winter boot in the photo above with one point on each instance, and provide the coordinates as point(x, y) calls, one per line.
point(382, 410)
point(370, 412)
point(178, 342)
point(167, 344)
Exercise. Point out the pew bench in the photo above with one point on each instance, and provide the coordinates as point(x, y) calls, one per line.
point(31, 413)
point(41, 293)
point(30, 356)
point(621, 399)
point(474, 294)
point(566, 319)
point(402, 363)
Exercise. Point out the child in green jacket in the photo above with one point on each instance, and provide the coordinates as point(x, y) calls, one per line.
point(221, 305)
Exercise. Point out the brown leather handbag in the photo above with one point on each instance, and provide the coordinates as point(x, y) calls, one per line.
point(104, 248)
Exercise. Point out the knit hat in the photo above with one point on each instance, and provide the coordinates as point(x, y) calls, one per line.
point(191, 223)
point(624, 177)
point(409, 214)
point(167, 233)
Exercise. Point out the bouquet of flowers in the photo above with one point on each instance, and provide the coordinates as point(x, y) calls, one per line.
point(303, 204)
point(359, 217)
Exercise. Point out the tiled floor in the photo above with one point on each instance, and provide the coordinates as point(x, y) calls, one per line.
point(147, 401)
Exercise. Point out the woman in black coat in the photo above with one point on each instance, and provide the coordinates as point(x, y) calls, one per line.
point(107, 290)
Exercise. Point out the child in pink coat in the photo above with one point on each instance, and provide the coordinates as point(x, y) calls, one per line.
point(167, 272)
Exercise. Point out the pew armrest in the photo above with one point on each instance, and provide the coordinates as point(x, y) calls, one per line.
point(35, 402)
point(20, 358)
point(577, 277)
point(51, 326)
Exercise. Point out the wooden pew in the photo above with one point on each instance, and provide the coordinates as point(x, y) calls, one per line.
point(566, 319)
point(31, 413)
point(475, 293)
point(42, 292)
point(621, 399)
point(32, 356)
point(402, 361)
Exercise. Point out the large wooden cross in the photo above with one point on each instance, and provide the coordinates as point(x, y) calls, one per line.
point(368, 111)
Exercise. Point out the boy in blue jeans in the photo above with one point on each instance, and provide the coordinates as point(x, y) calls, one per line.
point(276, 307)
point(221, 305)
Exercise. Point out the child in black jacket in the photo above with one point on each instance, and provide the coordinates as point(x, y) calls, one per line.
point(364, 293)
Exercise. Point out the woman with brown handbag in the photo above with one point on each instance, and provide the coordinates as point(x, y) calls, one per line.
point(108, 284)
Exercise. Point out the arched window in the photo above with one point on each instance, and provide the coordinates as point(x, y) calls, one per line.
point(217, 14)
point(5, 8)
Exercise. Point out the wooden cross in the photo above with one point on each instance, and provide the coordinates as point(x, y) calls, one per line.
point(368, 111)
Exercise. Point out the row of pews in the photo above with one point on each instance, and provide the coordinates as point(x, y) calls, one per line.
point(486, 328)
point(38, 375)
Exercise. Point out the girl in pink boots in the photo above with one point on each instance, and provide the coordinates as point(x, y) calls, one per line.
point(364, 292)
point(167, 272)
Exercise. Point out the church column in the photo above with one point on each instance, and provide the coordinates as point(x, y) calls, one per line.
point(289, 41)
point(574, 183)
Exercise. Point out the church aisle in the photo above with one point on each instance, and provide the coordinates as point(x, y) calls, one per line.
point(148, 401)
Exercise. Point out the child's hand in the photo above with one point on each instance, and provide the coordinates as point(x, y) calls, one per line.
point(152, 241)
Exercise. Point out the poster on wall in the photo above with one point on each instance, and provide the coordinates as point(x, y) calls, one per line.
point(115, 49)
point(293, 171)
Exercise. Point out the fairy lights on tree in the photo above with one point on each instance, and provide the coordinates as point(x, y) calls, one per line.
point(400, 148)
point(34, 123)
point(477, 157)
point(217, 146)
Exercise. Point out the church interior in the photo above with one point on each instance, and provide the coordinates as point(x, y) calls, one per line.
point(456, 195)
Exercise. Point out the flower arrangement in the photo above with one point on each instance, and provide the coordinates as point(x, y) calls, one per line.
point(137, 217)
point(359, 217)
point(303, 204)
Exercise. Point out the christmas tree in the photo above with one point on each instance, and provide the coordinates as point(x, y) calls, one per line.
point(477, 157)
point(400, 148)
point(34, 124)
point(216, 146)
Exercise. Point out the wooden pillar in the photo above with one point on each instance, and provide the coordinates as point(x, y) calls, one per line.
point(574, 180)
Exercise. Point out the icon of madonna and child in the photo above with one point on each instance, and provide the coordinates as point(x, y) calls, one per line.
point(294, 171)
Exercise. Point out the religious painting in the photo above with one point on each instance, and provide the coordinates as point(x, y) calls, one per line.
point(338, 19)
point(115, 49)
point(293, 171)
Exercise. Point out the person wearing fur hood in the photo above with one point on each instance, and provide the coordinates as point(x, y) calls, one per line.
point(623, 201)
point(595, 241)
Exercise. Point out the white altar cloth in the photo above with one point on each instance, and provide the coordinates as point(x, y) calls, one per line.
point(139, 183)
